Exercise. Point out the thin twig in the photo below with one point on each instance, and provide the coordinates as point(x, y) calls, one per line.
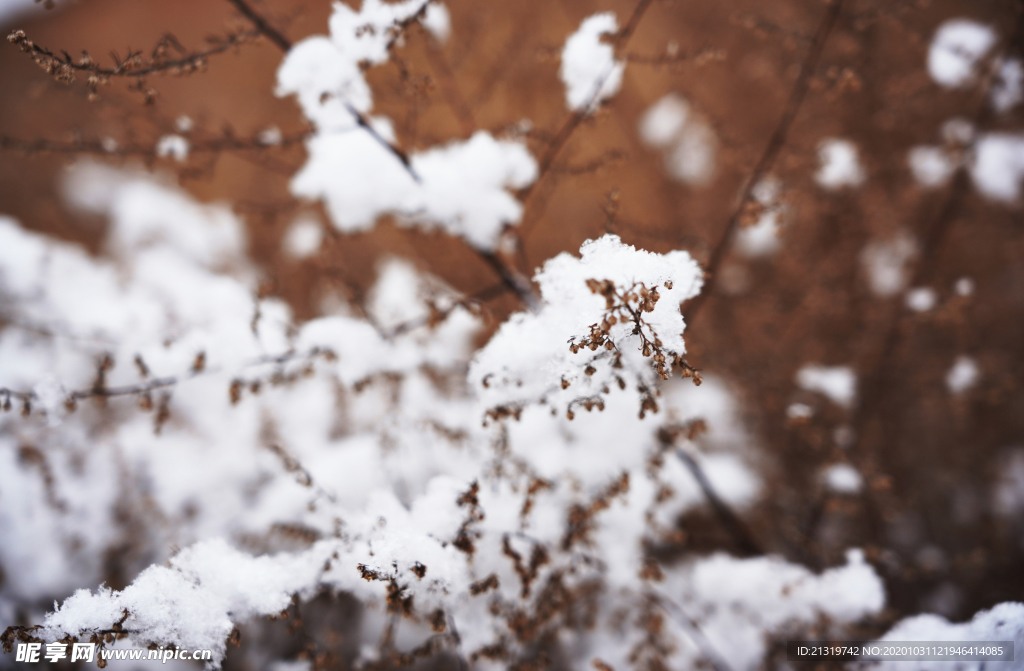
point(573, 122)
point(63, 66)
point(695, 633)
point(161, 382)
point(771, 151)
point(105, 147)
point(728, 519)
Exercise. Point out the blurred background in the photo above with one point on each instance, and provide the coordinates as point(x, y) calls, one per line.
point(917, 291)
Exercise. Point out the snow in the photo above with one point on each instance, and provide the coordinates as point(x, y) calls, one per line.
point(998, 166)
point(799, 411)
point(843, 479)
point(529, 356)
point(438, 21)
point(380, 437)
point(1003, 622)
point(762, 238)
point(962, 375)
point(191, 602)
point(956, 52)
point(839, 165)
point(15, 10)
point(589, 70)
point(462, 188)
point(1008, 495)
point(838, 383)
point(885, 263)
point(270, 136)
point(662, 123)
point(686, 139)
point(922, 299)
point(742, 600)
point(304, 237)
point(1008, 86)
point(931, 166)
point(174, 146)
point(964, 286)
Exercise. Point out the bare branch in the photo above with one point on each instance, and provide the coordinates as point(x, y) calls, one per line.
point(771, 152)
point(262, 25)
point(63, 67)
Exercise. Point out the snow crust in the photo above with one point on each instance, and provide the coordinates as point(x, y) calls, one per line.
point(589, 70)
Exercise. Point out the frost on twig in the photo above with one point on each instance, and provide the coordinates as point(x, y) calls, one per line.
point(609, 319)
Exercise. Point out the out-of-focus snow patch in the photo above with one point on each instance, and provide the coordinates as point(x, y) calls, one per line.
point(964, 286)
point(1004, 622)
point(462, 188)
point(842, 479)
point(885, 263)
point(147, 213)
point(962, 375)
point(686, 139)
point(799, 411)
point(741, 600)
point(998, 166)
point(1008, 494)
point(663, 121)
point(174, 146)
point(840, 165)
point(931, 166)
point(304, 237)
point(16, 10)
point(956, 51)
point(270, 136)
point(438, 21)
point(589, 69)
point(762, 237)
point(1008, 86)
point(838, 383)
point(922, 299)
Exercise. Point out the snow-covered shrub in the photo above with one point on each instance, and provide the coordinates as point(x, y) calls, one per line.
point(182, 458)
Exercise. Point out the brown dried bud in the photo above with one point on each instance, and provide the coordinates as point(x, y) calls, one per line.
point(235, 391)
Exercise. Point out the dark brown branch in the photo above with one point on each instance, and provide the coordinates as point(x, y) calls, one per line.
point(515, 280)
point(775, 144)
point(726, 517)
point(262, 25)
